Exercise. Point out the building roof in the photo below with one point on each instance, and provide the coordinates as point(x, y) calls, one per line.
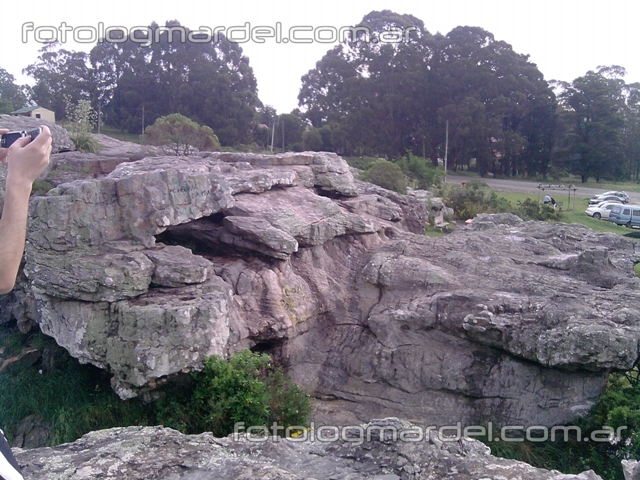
point(28, 109)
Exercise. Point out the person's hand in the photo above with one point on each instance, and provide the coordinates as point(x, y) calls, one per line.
point(27, 159)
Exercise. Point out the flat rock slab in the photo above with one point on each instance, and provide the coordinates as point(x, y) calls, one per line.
point(154, 452)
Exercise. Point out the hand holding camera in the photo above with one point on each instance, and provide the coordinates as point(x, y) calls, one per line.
point(7, 139)
point(27, 155)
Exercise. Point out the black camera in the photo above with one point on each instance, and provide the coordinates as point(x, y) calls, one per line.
point(8, 139)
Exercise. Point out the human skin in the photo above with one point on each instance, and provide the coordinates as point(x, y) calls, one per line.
point(25, 162)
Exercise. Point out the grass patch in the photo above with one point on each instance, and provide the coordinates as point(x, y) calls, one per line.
point(74, 398)
point(119, 135)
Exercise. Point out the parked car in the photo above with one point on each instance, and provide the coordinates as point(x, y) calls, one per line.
point(605, 198)
point(627, 215)
point(602, 209)
point(623, 196)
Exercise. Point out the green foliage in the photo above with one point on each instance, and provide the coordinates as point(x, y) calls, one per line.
point(12, 96)
point(75, 398)
point(532, 210)
point(472, 199)
point(594, 121)
point(362, 163)
point(387, 175)
point(230, 392)
point(85, 142)
point(6, 106)
point(40, 187)
point(312, 140)
point(12, 343)
point(210, 82)
point(181, 136)
point(385, 100)
point(477, 197)
point(82, 118)
point(245, 389)
point(420, 171)
point(59, 75)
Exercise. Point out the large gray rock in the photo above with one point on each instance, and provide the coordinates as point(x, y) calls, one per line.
point(505, 321)
point(154, 452)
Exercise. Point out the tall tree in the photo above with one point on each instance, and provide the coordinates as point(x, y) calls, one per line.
point(208, 81)
point(12, 96)
point(59, 73)
point(367, 85)
point(389, 97)
point(631, 132)
point(594, 107)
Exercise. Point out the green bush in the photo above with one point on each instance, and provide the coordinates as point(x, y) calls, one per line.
point(419, 170)
point(82, 118)
point(477, 197)
point(84, 142)
point(312, 140)
point(244, 389)
point(472, 199)
point(386, 175)
point(181, 136)
point(532, 210)
point(362, 163)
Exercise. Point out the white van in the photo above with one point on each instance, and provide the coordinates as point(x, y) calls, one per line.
point(627, 215)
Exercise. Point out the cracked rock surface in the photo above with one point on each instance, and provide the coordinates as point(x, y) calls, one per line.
point(146, 453)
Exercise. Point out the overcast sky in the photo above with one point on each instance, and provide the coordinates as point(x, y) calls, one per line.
point(564, 38)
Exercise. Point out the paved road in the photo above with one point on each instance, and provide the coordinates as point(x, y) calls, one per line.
point(519, 186)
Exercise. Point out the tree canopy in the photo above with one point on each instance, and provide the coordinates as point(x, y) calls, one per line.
point(387, 98)
point(596, 108)
point(133, 84)
point(12, 96)
point(181, 136)
point(391, 90)
point(210, 82)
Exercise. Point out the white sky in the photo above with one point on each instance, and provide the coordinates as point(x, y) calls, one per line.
point(565, 38)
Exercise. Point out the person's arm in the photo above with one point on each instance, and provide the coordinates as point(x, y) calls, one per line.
point(26, 161)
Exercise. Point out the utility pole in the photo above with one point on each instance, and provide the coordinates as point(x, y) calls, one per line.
point(99, 116)
point(273, 134)
point(446, 151)
point(143, 119)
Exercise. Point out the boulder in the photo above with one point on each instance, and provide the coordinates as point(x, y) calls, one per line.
point(33, 432)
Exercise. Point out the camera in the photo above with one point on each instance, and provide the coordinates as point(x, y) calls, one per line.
point(8, 139)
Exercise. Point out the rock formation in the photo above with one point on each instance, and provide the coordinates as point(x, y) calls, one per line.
point(164, 261)
point(154, 452)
